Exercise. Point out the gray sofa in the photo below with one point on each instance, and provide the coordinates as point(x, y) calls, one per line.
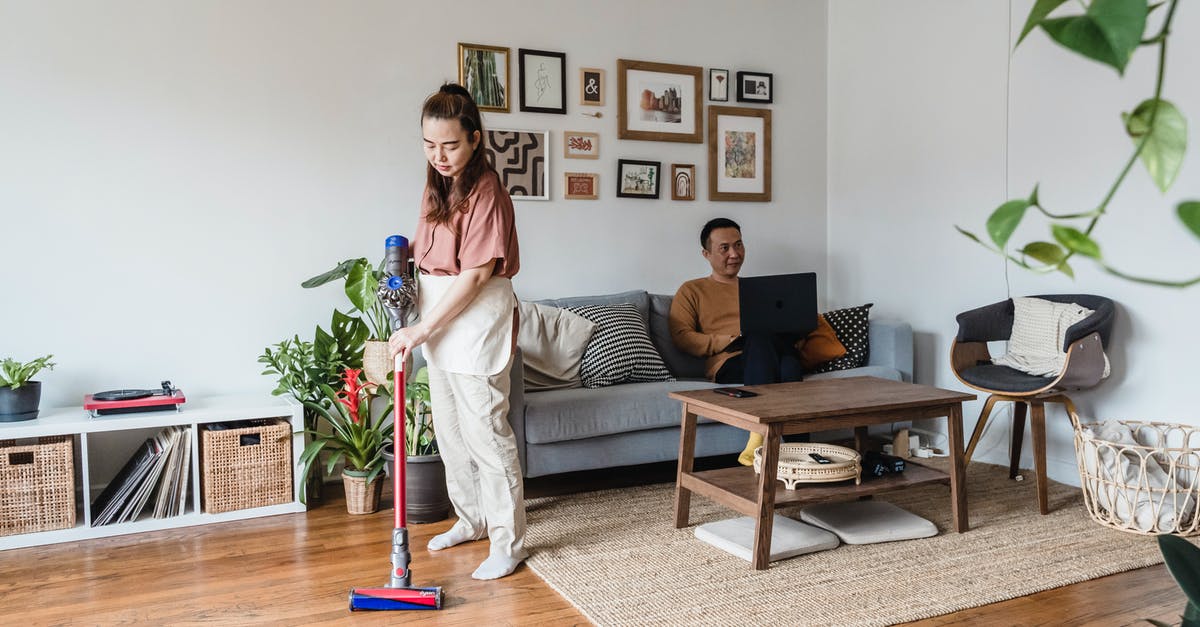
point(635, 423)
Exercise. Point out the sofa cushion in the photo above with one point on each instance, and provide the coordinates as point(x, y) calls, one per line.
point(620, 350)
point(637, 298)
point(559, 415)
point(680, 364)
point(851, 326)
point(820, 346)
point(882, 372)
point(552, 342)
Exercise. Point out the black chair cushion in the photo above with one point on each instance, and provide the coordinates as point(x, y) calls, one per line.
point(1003, 379)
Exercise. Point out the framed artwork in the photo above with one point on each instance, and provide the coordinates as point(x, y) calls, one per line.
point(755, 87)
point(683, 181)
point(581, 145)
point(543, 81)
point(659, 102)
point(581, 186)
point(591, 86)
point(739, 153)
point(637, 179)
point(483, 70)
point(522, 159)
point(718, 85)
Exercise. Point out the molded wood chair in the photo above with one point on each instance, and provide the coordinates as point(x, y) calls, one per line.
point(1084, 368)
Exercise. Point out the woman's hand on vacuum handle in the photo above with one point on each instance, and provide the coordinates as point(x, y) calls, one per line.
point(408, 338)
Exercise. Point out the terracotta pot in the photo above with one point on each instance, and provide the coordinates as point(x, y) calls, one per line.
point(361, 497)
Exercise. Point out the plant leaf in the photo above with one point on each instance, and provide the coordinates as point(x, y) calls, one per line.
point(337, 272)
point(1183, 562)
point(1109, 32)
point(1004, 220)
point(1076, 241)
point(1166, 142)
point(1189, 213)
point(361, 285)
point(1038, 13)
point(1044, 252)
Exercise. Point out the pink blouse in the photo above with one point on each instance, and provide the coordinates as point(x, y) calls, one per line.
point(483, 228)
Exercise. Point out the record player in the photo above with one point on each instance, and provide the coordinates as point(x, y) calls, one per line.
point(128, 401)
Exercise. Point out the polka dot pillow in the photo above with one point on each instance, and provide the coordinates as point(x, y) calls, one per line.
point(850, 327)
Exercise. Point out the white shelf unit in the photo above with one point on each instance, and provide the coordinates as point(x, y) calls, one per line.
point(195, 412)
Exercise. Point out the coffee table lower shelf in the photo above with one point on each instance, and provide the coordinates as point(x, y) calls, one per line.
point(737, 488)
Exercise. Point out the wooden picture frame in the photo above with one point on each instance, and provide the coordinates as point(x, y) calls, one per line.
point(683, 181)
point(591, 87)
point(739, 153)
point(718, 85)
point(638, 179)
point(755, 87)
point(581, 185)
point(581, 145)
point(522, 159)
point(659, 102)
point(543, 79)
point(479, 71)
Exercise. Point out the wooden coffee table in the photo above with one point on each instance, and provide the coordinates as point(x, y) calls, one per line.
point(803, 407)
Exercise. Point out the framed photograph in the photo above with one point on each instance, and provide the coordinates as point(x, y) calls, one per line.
point(543, 81)
point(683, 181)
point(591, 86)
point(739, 153)
point(581, 185)
point(637, 179)
point(581, 145)
point(522, 159)
point(483, 70)
point(659, 102)
point(718, 85)
point(755, 87)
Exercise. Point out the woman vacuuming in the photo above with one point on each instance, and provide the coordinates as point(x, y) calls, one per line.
point(465, 247)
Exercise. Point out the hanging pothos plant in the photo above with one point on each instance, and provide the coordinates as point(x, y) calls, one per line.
point(1108, 31)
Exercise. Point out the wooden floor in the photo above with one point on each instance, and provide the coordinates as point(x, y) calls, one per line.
point(298, 568)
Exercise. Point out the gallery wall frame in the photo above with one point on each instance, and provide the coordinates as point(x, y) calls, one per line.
point(522, 159)
point(718, 85)
point(659, 101)
point(581, 185)
point(592, 88)
point(543, 78)
point(638, 179)
point(484, 71)
point(739, 153)
point(683, 181)
point(581, 145)
point(755, 87)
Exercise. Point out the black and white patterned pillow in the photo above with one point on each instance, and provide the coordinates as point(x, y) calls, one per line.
point(850, 325)
point(620, 350)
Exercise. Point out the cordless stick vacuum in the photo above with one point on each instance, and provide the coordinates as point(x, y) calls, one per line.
point(397, 293)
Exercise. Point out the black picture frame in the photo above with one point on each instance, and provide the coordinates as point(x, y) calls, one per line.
point(750, 86)
point(632, 189)
point(718, 85)
point(541, 81)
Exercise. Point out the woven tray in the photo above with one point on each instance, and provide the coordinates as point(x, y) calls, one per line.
point(795, 466)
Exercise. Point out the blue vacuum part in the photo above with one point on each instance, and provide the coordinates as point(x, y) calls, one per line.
point(366, 599)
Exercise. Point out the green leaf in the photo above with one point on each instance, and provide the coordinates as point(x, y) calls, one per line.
point(1166, 143)
point(1044, 252)
point(1004, 220)
point(1076, 241)
point(338, 272)
point(1189, 213)
point(1109, 32)
point(1183, 562)
point(1039, 12)
point(361, 285)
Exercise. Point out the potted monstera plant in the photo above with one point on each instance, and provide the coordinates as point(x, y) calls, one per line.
point(361, 287)
point(19, 396)
point(425, 476)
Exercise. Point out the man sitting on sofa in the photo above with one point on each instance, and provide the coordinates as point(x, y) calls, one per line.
point(705, 321)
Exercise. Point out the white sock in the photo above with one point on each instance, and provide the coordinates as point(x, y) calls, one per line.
point(496, 566)
point(458, 534)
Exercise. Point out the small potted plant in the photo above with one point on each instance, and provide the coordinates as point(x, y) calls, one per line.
point(20, 397)
point(354, 438)
point(425, 479)
point(362, 285)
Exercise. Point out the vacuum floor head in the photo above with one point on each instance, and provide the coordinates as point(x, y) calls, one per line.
point(395, 599)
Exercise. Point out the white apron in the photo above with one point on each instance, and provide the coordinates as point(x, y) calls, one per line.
point(479, 340)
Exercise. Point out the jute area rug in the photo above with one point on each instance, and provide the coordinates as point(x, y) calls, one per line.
point(616, 555)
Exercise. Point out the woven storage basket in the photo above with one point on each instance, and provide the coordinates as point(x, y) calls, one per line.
point(795, 466)
point(362, 497)
point(1147, 488)
point(246, 467)
point(37, 485)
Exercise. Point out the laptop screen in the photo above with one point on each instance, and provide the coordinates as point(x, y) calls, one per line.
point(779, 303)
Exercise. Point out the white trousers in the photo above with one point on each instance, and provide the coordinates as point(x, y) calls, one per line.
point(483, 472)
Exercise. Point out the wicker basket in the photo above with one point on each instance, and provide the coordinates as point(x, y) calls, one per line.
point(37, 485)
point(362, 497)
point(246, 467)
point(795, 466)
point(1147, 488)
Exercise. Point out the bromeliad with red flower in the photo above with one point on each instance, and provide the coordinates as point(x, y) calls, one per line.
point(357, 435)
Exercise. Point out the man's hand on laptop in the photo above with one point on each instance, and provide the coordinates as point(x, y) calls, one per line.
point(734, 345)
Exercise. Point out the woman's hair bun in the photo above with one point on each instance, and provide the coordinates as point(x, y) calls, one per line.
point(455, 89)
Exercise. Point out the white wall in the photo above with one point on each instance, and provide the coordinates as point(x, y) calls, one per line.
point(927, 130)
point(171, 171)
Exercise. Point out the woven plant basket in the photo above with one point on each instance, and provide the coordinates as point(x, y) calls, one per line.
point(795, 465)
point(377, 362)
point(37, 485)
point(362, 497)
point(1147, 488)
